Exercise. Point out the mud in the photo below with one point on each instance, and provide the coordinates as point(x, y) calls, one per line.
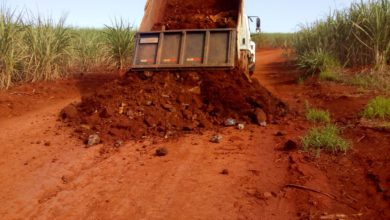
point(193, 15)
point(168, 104)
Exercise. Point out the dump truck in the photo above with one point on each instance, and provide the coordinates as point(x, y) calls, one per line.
point(193, 35)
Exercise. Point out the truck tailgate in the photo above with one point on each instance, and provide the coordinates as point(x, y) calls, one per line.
point(185, 49)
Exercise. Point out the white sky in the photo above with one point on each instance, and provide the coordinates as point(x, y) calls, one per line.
point(277, 15)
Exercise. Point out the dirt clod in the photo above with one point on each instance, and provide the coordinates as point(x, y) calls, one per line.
point(161, 152)
point(279, 134)
point(69, 112)
point(65, 180)
point(225, 172)
point(267, 195)
point(261, 117)
point(290, 145)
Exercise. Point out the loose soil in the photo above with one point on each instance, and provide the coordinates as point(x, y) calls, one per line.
point(47, 173)
point(32, 96)
point(192, 15)
point(167, 104)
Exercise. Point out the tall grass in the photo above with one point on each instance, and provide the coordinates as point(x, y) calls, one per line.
point(359, 35)
point(49, 48)
point(11, 51)
point(90, 49)
point(120, 38)
point(273, 40)
point(40, 48)
point(370, 79)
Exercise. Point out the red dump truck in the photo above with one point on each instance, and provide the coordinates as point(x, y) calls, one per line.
point(197, 34)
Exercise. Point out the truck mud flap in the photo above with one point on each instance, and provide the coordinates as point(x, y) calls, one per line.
point(185, 49)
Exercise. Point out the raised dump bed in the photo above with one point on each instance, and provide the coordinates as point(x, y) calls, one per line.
point(188, 35)
point(190, 14)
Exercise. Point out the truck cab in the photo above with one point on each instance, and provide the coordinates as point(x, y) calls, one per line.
point(246, 45)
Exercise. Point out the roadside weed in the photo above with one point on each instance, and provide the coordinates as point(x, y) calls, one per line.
point(325, 138)
point(317, 115)
point(328, 75)
point(377, 108)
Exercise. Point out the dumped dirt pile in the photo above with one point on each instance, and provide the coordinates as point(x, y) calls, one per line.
point(169, 104)
point(193, 14)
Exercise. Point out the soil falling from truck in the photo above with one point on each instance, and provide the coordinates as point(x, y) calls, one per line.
point(195, 15)
point(168, 104)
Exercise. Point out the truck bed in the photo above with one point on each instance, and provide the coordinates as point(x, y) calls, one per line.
point(192, 34)
point(185, 49)
point(190, 14)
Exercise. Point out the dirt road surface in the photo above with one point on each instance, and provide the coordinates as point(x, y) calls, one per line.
point(47, 173)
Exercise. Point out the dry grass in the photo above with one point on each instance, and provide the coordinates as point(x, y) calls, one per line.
point(372, 80)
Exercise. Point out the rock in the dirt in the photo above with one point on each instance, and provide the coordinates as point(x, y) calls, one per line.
point(168, 107)
point(290, 145)
point(145, 75)
point(261, 117)
point(189, 127)
point(230, 122)
point(195, 90)
point(93, 139)
point(121, 109)
point(161, 152)
point(240, 126)
point(118, 143)
point(86, 127)
point(216, 139)
point(279, 134)
point(150, 122)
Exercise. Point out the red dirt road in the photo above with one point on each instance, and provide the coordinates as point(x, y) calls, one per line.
point(47, 173)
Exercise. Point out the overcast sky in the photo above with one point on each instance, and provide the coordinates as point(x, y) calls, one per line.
point(277, 15)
